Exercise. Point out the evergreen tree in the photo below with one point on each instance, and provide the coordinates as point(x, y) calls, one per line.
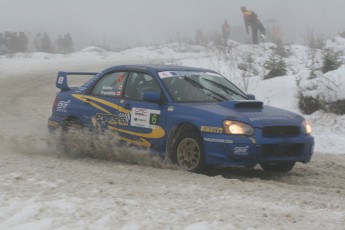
point(331, 60)
point(64, 44)
point(23, 42)
point(12, 42)
point(68, 43)
point(46, 43)
point(15, 42)
point(199, 37)
point(38, 42)
point(59, 44)
point(3, 45)
point(276, 66)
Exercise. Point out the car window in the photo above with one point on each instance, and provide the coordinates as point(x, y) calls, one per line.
point(137, 84)
point(189, 86)
point(110, 85)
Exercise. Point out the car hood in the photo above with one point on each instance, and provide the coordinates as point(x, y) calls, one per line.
point(251, 112)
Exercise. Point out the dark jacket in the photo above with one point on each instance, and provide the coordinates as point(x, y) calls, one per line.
point(250, 19)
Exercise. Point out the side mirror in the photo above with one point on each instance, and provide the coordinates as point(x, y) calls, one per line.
point(153, 97)
point(251, 97)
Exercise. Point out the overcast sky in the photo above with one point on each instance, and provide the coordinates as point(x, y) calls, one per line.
point(130, 21)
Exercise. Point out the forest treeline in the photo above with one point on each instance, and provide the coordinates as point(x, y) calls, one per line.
point(14, 42)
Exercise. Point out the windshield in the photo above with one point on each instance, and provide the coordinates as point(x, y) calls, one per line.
point(190, 86)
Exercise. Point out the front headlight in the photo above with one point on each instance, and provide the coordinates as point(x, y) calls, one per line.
point(239, 128)
point(306, 127)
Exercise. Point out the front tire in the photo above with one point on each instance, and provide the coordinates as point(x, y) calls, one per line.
point(189, 151)
point(278, 166)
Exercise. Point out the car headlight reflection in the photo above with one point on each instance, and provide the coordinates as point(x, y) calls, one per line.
point(238, 128)
point(306, 127)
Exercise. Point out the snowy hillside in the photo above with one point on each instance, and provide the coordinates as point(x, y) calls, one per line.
point(42, 188)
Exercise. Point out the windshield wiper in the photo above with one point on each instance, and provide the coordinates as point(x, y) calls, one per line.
point(223, 87)
point(197, 84)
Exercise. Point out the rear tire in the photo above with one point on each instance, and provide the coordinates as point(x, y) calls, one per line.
point(278, 166)
point(189, 152)
point(71, 139)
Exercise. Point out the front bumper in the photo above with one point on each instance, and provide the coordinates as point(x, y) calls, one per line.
point(231, 150)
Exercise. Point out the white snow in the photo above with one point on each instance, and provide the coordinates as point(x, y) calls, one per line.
point(41, 191)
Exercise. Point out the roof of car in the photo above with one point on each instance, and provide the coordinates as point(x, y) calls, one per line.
point(159, 68)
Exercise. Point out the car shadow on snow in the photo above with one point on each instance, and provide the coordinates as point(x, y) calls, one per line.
point(246, 174)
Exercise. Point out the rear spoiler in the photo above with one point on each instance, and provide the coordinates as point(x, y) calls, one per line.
point(61, 80)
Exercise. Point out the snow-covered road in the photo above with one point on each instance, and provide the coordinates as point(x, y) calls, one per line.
point(41, 188)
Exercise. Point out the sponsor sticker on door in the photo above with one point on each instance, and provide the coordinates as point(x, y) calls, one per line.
point(146, 118)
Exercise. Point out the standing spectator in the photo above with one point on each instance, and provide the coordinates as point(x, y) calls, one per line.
point(225, 32)
point(276, 34)
point(199, 37)
point(251, 20)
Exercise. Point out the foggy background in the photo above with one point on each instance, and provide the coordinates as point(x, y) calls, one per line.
point(125, 23)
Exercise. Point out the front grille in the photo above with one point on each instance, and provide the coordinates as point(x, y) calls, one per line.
point(282, 150)
point(279, 131)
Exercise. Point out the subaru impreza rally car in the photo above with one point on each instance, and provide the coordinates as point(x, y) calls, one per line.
point(194, 117)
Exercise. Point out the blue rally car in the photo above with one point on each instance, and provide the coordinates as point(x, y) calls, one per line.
point(194, 117)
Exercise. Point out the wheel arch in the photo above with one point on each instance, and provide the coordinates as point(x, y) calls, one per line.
point(71, 120)
point(174, 133)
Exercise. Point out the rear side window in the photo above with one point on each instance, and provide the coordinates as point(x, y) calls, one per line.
point(110, 85)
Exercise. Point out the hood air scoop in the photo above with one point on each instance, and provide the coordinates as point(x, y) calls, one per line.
point(249, 105)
